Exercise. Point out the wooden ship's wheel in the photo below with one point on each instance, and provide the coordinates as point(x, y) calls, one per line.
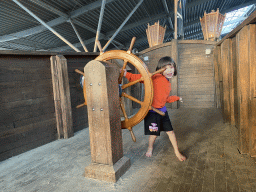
point(128, 57)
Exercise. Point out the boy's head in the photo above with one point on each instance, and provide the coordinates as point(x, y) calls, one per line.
point(164, 61)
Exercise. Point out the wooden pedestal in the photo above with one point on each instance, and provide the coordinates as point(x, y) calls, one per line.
point(103, 108)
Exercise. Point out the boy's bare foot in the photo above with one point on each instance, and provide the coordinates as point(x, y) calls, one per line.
point(149, 152)
point(180, 156)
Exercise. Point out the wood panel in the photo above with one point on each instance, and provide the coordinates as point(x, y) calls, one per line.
point(217, 52)
point(243, 82)
point(26, 101)
point(231, 78)
point(196, 75)
point(61, 93)
point(252, 103)
point(225, 58)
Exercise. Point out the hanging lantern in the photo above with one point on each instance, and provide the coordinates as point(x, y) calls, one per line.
point(212, 24)
point(155, 34)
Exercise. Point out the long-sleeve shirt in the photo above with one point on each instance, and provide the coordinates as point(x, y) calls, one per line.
point(162, 89)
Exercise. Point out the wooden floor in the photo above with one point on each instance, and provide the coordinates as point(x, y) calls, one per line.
point(213, 164)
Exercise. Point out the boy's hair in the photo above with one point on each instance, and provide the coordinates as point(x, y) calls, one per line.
point(167, 61)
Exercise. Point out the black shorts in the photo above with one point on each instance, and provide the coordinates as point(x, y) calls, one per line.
point(155, 123)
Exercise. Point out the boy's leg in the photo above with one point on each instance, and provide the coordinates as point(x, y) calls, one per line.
point(175, 145)
point(151, 141)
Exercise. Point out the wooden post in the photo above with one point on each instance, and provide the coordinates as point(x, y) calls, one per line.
point(174, 80)
point(252, 103)
point(232, 76)
point(225, 57)
point(101, 81)
point(243, 89)
point(61, 94)
point(216, 76)
point(175, 19)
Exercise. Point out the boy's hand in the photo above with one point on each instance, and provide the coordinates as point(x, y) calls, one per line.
point(124, 71)
point(181, 100)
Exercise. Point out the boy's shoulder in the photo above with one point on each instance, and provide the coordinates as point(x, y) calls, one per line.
point(158, 77)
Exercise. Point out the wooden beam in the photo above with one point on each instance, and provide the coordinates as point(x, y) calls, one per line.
point(252, 104)
point(225, 58)
point(243, 89)
point(175, 19)
point(216, 76)
point(61, 93)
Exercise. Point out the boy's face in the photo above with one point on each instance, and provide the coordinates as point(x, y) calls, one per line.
point(169, 72)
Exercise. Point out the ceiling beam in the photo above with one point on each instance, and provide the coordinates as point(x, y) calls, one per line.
point(44, 24)
point(195, 3)
point(52, 23)
point(49, 8)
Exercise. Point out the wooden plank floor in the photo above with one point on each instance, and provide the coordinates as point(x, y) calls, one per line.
point(213, 164)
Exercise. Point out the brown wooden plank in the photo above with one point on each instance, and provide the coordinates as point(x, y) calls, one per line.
point(232, 63)
point(225, 57)
point(31, 140)
point(216, 77)
point(56, 94)
point(197, 42)
point(21, 136)
point(252, 104)
point(65, 96)
point(243, 82)
point(104, 119)
point(30, 109)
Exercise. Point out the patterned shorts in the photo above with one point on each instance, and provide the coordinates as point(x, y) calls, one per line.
point(155, 123)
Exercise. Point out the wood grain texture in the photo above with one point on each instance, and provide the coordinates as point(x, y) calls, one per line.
point(225, 58)
point(216, 77)
point(243, 88)
point(26, 101)
point(61, 92)
point(196, 83)
point(103, 112)
point(252, 103)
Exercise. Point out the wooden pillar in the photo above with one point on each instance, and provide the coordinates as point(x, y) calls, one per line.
point(175, 19)
point(101, 81)
point(231, 64)
point(61, 94)
point(174, 80)
point(216, 76)
point(252, 100)
point(225, 58)
point(243, 89)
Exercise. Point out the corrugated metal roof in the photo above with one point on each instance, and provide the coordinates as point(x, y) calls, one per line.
point(20, 31)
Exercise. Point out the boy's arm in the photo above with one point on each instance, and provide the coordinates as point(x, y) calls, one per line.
point(172, 99)
point(132, 77)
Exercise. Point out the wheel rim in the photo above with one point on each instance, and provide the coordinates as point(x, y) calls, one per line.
point(148, 86)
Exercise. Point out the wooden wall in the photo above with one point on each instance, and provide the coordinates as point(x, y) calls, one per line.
point(236, 70)
point(196, 74)
point(27, 117)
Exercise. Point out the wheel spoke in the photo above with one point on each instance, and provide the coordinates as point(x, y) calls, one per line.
point(123, 110)
point(132, 83)
point(159, 71)
point(131, 98)
point(122, 72)
point(131, 45)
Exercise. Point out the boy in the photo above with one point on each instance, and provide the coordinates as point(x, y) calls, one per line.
point(153, 122)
